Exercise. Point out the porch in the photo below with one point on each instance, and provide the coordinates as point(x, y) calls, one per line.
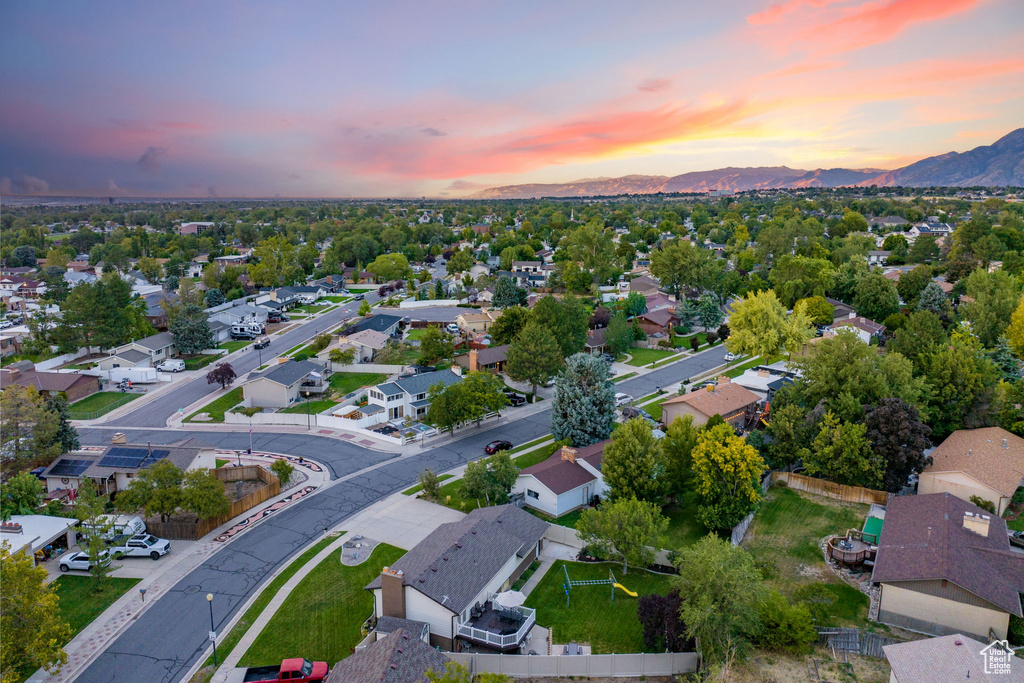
point(496, 627)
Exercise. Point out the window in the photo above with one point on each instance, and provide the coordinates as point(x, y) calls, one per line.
point(532, 494)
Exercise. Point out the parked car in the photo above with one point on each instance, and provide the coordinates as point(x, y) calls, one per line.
point(514, 399)
point(623, 399)
point(243, 335)
point(495, 446)
point(171, 365)
point(262, 343)
point(80, 561)
point(140, 545)
point(729, 357)
point(4, 324)
point(452, 328)
point(359, 297)
point(1017, 538)
point(296, 670)
point(608, 357)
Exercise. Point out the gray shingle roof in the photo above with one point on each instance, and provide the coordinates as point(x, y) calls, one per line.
point(455, 562)
point(160, 340)
point(288, 373)
point(420, 384)
point(397, 658)
point(131, 355)
point(377, 322)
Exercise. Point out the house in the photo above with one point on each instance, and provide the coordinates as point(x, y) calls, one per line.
point(988, 463)
point(194, 228)
point(126, 358)
point(75, 278)
point(451, 577)
point(839, 309)
point(492, 358)
point(113, 468)
point(68, 385)
point(878, 257)
point(659, 301)
point(387, 324)
point(25, 287)
point(157, 347)
point(155, 314)
point(765, 380)
point(367, 343)
point(478, 321)
point(946, 659)
point(236, 313)
point(220, 330)
point(306, 294)
point(727, 399)
point(399, 657)
point(862, 327)
point(659, 321)
point(645, 285)
point(567, 480)
point(887, 222)
point(945, 566)
point(408, 396)
point(10, 345)
point(330, 284)
point(281, 385)
point(595, 340)
point(32, 533)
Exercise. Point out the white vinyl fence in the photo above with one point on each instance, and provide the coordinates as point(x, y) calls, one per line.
point(638, 664)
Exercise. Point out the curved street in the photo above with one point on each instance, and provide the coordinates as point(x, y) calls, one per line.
point(170, 636)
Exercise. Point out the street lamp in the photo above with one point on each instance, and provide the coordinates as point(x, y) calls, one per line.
point(213, 632)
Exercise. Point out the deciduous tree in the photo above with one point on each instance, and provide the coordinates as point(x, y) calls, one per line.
point(534, 356)
point(622, 529)
point(842, 453)
point(899, 438)
point(507, 294)
point(203, 494)
point(156, 490)
point(631, 464)
point(222, 374)
point(512, 321)
point(819, 311)
point(436, 345)
point(759, 326)
point(995, 297)
point(90, 506)
point(876, 297)
point(28, 431)
point(275, 263)
point(20, 495)
point(728, 473)
point(618, 336)
point(677, 456)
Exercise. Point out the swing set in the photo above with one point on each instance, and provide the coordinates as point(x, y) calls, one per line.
point(610, 581)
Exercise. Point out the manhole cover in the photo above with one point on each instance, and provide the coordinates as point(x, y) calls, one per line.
point(192, 589)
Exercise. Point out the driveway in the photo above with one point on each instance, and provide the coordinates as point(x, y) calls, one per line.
point(166, 640)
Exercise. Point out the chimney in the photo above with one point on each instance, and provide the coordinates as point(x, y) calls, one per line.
point(119, 438)
point(568, 454)
point(763, 373)
point(853, 314)
point(711, 388)
point(392, 593)
point(473, 355)
point(978, 523)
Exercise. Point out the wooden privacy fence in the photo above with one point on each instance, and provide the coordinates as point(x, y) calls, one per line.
point(639, 664)
point(187, 531)
point(829, 489)
point(855, 640)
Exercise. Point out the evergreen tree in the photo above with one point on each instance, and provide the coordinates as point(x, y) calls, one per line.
point(66, 435)
point(214, 297)
point(191, 331)
point(584, 405)
point(932, 299)
point(507, 294)
point(708, 312)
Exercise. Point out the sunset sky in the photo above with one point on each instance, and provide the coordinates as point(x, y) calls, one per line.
point(345, 99)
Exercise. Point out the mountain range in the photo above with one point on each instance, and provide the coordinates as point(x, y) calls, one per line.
point(998, 164)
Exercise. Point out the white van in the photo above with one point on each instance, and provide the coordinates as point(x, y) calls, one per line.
point(171, 365)
point(125, 525)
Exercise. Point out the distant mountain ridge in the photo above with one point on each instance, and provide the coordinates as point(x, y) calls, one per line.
point(999, 164)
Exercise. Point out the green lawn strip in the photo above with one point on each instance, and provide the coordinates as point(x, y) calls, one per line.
point(654, 409)
point(233, 346)
point(200, 361)
point(521, 581)
point(227, 643)
point(683, 527)
point(642, 357)
point(321, 618)
point(311, 407)
point(785, 534)
point(297, 316)
point(620, 378)
point(346, 382)
point(1016, 524)
point(569, 519)
point(417, 488)
point(220, 462)
point(217, 407)
point(294, 349)
point(649, 397)
point(684, 342)
point(592, 617)
point(667, 361)
point(100, 403)
point(531, 444)
point(535, 456)
point(740, 369)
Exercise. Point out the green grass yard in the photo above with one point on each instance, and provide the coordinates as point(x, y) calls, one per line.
point(313, 407)
point(346, 382)
point(683, 527)
point(321, 618)
point(643, 357)
point(592, 617)
point(628, 375)
point(417, 334)
point(785, 535)
point(79, 605)
point(232, 346)
point(418, 487)
point(100, 403)
point(217, 407)
point(654, 409)
point(569, 519)
point(530, 444)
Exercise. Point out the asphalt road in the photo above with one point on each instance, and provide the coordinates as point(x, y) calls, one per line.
point(163, 643)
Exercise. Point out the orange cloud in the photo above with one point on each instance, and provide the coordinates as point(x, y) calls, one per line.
point(779, 11)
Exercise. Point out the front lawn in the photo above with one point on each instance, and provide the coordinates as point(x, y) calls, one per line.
point(232, 346)
point(321, 618)
point(79, 605)
point(784, 537)
point(535, 456)
point(654, 409)
point(345, 383)
point(643, 357)
point(100, 403)
point(592, 617)
point(419, 487)
point(217, 407)
point(417, 334)
point(199, 361)
point(312, 308)
point(311, 407)
point(684, 342)
point(620, 378)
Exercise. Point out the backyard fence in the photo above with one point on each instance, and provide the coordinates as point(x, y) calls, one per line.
point(821, 487)
point(189, 531)
point(740, 530)
point(855, 640)
point(638, 664)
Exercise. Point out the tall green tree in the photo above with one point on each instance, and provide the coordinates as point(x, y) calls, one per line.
point(921, 333)
point(512, 321)
point(203, 494)
point(820, 311)
point(476, 395)
point(507, 294)
point(842, 453)
point(798, 277)
point(911, 284)
point(632, 463)
point(899, 438)
point(155, 490)
point(876, 297)
point(760, 326)
point(618, 336)
point(275, 262)
point(387, 267)
point(436, 345)
point(534, 356)
point(708, 313)
point(622, 529)
point(66, 436)
point(567, 320)
point(677, 456)
point(728, 473)
point(584, 405)
point(89, 509)
point(961, 378)
point(994, 296)
point(191, 330)
point(28, 431)
point(30, 618)
point(20, 495)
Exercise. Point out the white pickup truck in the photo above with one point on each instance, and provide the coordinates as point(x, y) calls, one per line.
point(140, 545)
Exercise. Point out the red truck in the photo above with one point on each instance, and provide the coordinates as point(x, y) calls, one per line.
point(295, 670)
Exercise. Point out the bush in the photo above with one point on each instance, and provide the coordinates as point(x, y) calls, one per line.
point(986, 505)
point(785, 626)
point(664, 343)
point(283, 470)
point(248, 412)
point(300, 356)
point(682, 330)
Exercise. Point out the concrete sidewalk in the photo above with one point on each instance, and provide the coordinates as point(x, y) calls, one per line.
point(167, 571)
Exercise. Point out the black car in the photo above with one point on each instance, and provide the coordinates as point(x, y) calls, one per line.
point(262, 343)
point(515, 400)
point(495, 446)
point(608, 357)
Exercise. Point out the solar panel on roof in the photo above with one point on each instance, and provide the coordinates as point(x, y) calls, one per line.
point(70, 468)
point(131, 458)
